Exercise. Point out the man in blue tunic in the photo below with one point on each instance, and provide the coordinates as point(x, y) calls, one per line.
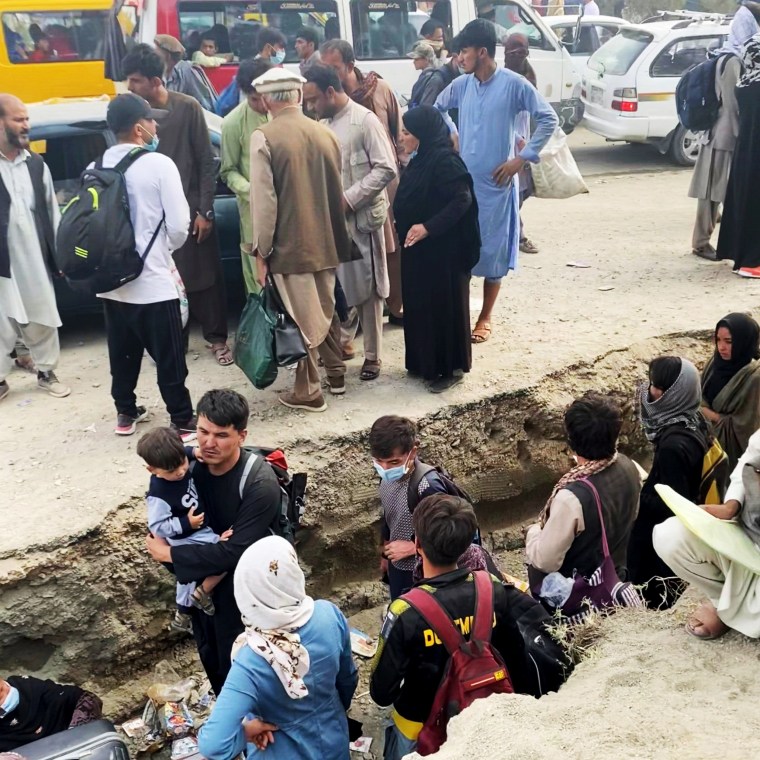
point(489, 100)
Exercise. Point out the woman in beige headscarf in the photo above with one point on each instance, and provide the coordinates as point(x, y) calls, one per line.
point(292, 668)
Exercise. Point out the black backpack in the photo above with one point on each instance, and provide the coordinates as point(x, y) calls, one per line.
point(95, 244)
point(697, 102)
point(420, 470)
point(292, 488)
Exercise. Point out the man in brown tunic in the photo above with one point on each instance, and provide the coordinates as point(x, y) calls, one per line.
point(300, 232)
point(183, 137)
point(373, 92)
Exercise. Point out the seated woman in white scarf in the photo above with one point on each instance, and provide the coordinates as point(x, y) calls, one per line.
point(293, 677)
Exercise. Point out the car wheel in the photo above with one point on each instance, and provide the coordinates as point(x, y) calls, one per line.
point(684, 147)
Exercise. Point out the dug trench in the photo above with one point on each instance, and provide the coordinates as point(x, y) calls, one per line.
point(95, 611)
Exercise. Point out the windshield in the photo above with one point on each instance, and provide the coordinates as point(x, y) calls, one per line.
point(618, 55)
point(235, 26)
point(390, 29)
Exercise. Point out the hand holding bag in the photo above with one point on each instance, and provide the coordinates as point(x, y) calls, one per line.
point(289, 346)
point(254, 342)
point(602, 589)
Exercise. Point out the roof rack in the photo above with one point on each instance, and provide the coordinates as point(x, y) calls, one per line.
point(688, 17)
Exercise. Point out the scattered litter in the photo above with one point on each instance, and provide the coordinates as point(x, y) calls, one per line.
point(362, 744)
point(606, 288)
point(578, 264)
point(185, 748)
point(362, 644)
point(176, 719)
point(25, 402)
point(135, 728)
point(89, 428)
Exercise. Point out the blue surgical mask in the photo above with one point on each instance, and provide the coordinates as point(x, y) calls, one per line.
point(278, 57)
point(413, 154)
point(394, 473)
point(151, 146)
point(10, 703)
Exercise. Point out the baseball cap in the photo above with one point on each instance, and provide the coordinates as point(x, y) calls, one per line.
point(422, 50)
point(124, 111)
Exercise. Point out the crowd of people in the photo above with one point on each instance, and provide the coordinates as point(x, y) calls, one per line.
point(341, 196)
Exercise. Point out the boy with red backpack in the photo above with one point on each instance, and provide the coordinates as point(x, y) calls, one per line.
point(455, 637)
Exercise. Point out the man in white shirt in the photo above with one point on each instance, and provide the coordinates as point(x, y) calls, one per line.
point(590, 8)
point(144, 314)
point(732, 590)
point(28, 220)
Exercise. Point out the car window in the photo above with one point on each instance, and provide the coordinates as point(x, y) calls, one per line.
point(606, 32)
point(681, 55)
point(46, 36)
point(235, 26)
point(618, 55)
point(67, 157)
point(510, 18)
point(387, 30)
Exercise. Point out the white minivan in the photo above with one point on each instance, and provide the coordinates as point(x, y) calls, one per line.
point(382, 32)
point(629, 85)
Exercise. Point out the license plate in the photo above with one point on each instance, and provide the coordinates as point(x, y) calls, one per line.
point(596, 95)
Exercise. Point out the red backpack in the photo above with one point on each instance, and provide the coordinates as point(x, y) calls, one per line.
point(474, 670)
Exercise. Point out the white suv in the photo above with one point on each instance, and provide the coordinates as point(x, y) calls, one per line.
point(628, 87)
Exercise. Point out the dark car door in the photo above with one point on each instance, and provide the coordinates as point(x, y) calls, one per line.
point(69, 149)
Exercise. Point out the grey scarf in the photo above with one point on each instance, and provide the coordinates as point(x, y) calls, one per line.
point(678, 405)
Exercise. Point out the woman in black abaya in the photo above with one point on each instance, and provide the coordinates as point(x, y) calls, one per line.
point(437, 220)
point(739, 238)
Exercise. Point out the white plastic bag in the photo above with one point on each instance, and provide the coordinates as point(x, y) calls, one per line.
point(184, 308)
point(556, 175)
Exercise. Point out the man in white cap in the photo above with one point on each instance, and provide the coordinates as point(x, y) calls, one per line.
point(425, 61)
point(300, 233)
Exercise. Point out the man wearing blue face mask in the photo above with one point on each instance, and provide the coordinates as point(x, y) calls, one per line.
point(144, 314)
point(32, 709)
point(393, 445)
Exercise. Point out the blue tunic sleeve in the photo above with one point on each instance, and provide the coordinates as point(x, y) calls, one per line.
point(222, 737)
point(544, 116)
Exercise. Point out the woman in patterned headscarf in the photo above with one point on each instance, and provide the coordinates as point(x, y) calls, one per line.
point(739, 238)
point(292, 666)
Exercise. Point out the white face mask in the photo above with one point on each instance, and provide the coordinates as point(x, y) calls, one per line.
point(436, 44)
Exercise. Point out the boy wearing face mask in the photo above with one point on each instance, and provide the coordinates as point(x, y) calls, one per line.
point(393, 446)
point(32, 709)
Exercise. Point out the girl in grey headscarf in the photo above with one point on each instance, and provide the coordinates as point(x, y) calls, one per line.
point(669, 411)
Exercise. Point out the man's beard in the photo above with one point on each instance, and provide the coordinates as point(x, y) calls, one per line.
point(17, 140)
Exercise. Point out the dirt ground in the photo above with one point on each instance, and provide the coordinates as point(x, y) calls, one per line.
point(63, 469)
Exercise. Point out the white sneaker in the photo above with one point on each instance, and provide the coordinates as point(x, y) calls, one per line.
point(50, 383)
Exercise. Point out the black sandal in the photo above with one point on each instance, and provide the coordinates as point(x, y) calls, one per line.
point(203, 601)
point(370, 370)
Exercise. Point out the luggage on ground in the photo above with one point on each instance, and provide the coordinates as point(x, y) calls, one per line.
point(95, 741)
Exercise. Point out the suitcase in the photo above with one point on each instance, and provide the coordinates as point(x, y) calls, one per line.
point(95, 741)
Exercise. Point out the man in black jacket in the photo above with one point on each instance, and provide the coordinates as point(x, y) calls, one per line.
point(411, 660)
point(250, 506)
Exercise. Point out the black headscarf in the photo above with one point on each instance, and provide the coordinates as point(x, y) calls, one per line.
point(435, 164)
point(745, 346)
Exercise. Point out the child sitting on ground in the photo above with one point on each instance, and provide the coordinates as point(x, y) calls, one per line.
point(176, 514)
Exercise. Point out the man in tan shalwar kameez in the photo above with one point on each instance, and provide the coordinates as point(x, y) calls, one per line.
point(368, 166)
point(374, 93)
point(300, 232)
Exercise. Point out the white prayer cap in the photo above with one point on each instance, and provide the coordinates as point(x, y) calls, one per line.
point(278, 80)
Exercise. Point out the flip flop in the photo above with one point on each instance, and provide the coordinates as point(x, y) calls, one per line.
point(481, 333)
point(370, 370)
point(223, 354)
point(712, 631)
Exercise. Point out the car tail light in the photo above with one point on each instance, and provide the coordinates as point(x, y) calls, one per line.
point(625, 100)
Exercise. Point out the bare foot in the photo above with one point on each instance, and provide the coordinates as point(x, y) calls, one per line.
point(705, 623)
